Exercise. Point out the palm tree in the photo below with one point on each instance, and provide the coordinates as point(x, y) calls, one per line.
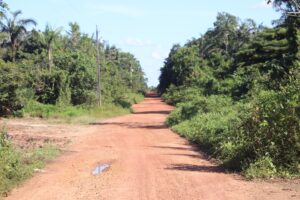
point(48, 38)
point(16, 29)
point(74, 35)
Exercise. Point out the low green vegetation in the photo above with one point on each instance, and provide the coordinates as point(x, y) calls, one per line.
point(81, 113)
point(72, 114)
point(17, 165)
point(236, 92)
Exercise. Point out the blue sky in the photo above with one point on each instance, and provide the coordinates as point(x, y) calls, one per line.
point(148, 29)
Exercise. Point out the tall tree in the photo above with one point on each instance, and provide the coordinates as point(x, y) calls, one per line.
point(74, 35)
point(48, 38)
point(16, 29)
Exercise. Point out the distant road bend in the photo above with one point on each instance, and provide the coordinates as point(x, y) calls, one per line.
point(146, 161)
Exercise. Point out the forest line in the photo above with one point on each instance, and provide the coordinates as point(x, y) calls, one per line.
point(236, 91)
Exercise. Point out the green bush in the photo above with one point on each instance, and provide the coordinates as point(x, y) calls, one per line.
point(262, 168)
point(260, 137)
point(10, 80)
point(273, 128)
point(11, 169)
point(198, 104)
point(80, 114)
point(210, 129)
point(175, 95)
point(48, 86)
point(135, 98)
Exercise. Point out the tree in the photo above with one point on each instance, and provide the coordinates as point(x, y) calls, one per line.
point(16, 29)
point(3, 8)
point(48, 38)
point(289, 7)
point(225, 28)
point(74, 35)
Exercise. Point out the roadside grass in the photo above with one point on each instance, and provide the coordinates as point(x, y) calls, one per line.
point(72, 114)
point(80, 114)
point(134, 98)
point(17, 165)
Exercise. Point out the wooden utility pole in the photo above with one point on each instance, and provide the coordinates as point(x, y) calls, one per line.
point(131, 83)
point(98, 69)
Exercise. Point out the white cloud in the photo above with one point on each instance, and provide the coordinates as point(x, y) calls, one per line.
point(159, 55)
point(262, 5)
point(137, 42)
point(118, 9)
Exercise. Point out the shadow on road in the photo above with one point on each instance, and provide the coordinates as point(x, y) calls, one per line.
point(174, 148)
point(163, 112)
point(132, 125)
point(195, 168)
point(192, 152)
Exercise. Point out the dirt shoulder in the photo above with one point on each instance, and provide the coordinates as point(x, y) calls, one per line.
point(146, 161)
point(35, 133)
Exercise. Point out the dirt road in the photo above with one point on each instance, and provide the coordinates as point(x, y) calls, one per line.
point(147, 161)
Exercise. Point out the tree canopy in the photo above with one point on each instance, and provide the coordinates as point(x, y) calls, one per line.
point(58, 67)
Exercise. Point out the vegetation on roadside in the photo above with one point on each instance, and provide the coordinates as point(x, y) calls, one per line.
point(54, 74)
point(81, 113)
point(236, 91)
point(17, 165)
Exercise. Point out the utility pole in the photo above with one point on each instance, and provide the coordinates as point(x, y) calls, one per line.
point(98, 69)
point(131, 75)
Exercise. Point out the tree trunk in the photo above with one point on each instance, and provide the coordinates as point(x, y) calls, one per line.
point(13, 51)
point(50, 60)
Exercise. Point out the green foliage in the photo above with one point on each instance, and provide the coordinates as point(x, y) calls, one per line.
point(175, 95)
point(207, 121)
point(239, 98)
point(11, 170)
point(134, 98)
point(262, 168)
point(9, 82)
point(16, 166)
point(49, 86)
point(197, 105)
point(81, 75)
point(73, 114)
point(273, 127)
point(61, 70)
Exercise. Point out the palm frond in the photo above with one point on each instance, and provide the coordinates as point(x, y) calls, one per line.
point(16, 13)
point(26, 22)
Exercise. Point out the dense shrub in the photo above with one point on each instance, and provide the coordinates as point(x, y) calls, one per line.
point(48, 86)
point(197, 105)
point(176, 95)
point(213, 125)
point(9, 83)
point(273, 128)
point(11, 169)
point(260, 137)
point(238, 94)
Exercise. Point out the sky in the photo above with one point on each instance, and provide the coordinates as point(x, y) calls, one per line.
point(147, 29)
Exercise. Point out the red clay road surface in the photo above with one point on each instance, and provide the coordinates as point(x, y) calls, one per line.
point(147, 161)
